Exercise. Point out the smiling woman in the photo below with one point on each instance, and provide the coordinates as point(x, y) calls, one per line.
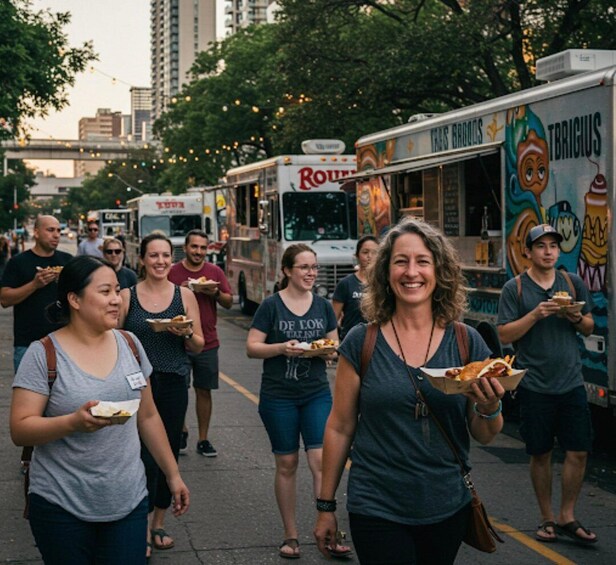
point(93, 361)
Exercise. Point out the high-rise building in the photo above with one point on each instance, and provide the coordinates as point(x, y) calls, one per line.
point(242, 13)
point(180, 29)
point(140, 110)
point(104, 126)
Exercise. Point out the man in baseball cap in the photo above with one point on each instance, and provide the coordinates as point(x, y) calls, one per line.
point(539, 231)
point(552, 397)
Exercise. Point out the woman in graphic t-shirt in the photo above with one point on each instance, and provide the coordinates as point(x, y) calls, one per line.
point(295, 398)
point(347, 296)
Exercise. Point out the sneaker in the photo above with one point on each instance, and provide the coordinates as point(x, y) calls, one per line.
point(206, 449)
point(184, 442)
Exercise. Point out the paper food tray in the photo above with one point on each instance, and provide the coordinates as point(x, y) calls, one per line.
point(319, 352)
point(439, 381)
point(105, 409)
point(161, 324)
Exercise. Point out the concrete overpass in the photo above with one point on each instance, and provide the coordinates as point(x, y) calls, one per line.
point(70, 149)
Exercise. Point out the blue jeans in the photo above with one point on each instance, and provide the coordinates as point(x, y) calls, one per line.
point(64, 539)
point(171, 399)
point(286, 418)
point(18, 353)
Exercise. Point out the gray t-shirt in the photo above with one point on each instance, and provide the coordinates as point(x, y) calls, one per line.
point(402, 468)
point(293, 377)
point(89, 247)
point(98, 477)
point(549, 350)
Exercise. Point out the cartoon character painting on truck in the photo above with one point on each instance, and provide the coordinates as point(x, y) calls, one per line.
point(552, 151)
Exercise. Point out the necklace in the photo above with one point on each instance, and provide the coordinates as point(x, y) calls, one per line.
point(421, 408)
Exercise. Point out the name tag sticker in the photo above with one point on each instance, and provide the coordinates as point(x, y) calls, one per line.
point(136, 380)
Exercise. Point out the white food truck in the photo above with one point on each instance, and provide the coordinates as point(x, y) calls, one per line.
point(173, 215)
point(486, 174)
point(284, 200)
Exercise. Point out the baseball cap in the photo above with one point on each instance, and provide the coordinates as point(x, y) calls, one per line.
point(539, 231)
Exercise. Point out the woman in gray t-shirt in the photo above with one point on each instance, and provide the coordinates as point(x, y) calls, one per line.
point(407, 501)
point(87, 482)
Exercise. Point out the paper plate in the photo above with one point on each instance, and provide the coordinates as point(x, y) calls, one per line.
point(198, 287)
point(439, 381)
point(109, 410)
point(161, 324)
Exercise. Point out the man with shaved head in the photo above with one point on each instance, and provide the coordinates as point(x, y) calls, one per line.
point(30, 285)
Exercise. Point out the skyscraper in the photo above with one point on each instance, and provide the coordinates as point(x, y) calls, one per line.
point(140, 110)
point(242, 13)
point(180, 29)
point(104, 126)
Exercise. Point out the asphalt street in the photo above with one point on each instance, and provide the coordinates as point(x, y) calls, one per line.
point(233, 517)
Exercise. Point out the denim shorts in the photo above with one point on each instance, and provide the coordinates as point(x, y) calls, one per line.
point(286, 418)
point(546, 416)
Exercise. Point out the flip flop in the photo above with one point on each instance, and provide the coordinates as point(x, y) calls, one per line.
point(291, 543)
point(148, 551)
point(160, 533)
point(339, 551)
point(570, 530)
point(543, 527)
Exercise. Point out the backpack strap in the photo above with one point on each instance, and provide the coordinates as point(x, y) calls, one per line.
point(569, 283)
point(518, 282)
point(368, 348)
point(462, 339)
point(131, 343)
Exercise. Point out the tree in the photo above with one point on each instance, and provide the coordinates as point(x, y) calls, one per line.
point(36, 63)
point(13, 192)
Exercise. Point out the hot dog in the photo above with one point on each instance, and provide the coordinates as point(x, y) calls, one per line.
point(487, 368)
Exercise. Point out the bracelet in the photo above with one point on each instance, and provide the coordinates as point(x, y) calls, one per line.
point(189, 336)
point(578, 320)
point(492, 416)
point(326, 505)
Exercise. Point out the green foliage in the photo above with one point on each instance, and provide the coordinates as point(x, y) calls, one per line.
point(15, 185)
point(36, 63)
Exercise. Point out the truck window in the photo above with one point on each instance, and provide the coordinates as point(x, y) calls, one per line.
point(315, 215)
point(247, 209)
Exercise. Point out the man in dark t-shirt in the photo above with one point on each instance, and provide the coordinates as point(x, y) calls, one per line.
point(30, 286)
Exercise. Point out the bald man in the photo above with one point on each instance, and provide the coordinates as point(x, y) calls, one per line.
point(28, 287)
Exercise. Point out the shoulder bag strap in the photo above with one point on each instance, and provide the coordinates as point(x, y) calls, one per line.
point(462, 339)
point(569, 283)
point(367, 348)
point(131, 343)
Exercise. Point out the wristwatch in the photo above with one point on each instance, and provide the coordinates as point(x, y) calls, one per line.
point(217, 294)
point(188, 336)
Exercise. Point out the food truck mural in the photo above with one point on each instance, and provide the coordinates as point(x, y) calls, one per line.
point(486, 174)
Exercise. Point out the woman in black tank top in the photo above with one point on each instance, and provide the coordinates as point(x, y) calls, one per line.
point(156, 297)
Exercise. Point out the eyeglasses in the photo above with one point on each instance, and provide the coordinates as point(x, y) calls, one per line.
point(307, 268)
point(113, 251)
point(92, 229)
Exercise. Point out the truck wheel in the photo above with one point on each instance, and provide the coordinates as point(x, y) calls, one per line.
point(247, 307)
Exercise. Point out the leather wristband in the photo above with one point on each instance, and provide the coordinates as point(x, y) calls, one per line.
point(326, 505)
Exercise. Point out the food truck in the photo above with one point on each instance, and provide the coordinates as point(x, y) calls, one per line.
point(214, 199)
point(173, 215)
point(487, 173)
point(284, 200)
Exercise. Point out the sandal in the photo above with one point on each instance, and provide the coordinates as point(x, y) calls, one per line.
point(160, 533)
point(550, 535)
point(339, 551)
point(148, 551)
point(570, 530)
point(291, 543)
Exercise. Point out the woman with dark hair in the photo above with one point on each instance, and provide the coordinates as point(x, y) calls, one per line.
point(407, 500)
point(347, 296)
point(295, 398)
point(88, 496)
point(113, 250)
point(156, 297)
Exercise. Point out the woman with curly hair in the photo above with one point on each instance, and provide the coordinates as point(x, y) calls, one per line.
point(407, 501)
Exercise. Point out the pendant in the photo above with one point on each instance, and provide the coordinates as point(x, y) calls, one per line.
point(421, 409)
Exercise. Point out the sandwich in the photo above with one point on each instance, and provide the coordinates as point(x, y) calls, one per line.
point(562, 298)
point(322, 343)
point(179, 318)
point(488, 368)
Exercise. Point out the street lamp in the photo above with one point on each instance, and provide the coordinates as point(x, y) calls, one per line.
point(129, 187)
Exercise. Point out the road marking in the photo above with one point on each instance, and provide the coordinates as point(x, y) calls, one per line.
point(237, 386)
point(534, 545)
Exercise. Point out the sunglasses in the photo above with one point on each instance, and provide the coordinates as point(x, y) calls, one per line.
point(113, 251)
point(92, 229)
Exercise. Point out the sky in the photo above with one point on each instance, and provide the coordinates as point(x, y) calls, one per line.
point(120, 32)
